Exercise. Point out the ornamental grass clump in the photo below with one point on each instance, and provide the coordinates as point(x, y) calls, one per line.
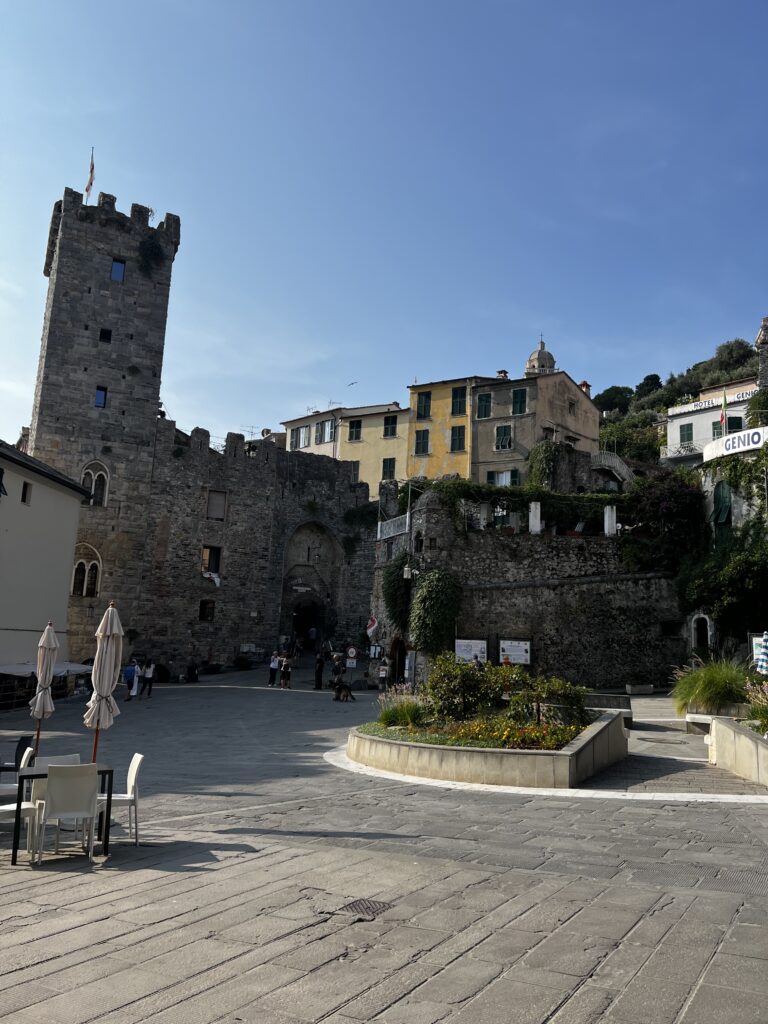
point(399, 707)
point(709, 685)
point(757, 698)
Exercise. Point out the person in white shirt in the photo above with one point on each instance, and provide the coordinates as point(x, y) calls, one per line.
point(147, 675)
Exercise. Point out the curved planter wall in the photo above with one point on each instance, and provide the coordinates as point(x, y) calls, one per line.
point(600, 745)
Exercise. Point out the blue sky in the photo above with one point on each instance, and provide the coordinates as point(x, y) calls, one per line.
point(397, 191)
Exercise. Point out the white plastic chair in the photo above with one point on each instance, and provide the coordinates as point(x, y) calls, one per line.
point(28, 813)
point(71, 793)
point(39, 785)
point(9, 788)
point(129, 799)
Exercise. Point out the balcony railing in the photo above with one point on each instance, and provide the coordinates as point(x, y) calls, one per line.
point(392, 527)
point(682, 451)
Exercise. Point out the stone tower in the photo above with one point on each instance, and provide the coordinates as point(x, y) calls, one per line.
point(98, 384)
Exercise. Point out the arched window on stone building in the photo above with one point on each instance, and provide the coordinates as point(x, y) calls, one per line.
point(96, 480)
point(78, 579)
point(86, 578)
point(92, 580)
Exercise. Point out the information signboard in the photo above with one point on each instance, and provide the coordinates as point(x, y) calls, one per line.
point(515, 652)
point(467, 649)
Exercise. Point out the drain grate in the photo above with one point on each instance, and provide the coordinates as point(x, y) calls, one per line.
point(366, 908)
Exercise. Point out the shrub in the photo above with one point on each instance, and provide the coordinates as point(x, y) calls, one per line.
point(458, 690)
point(709, 685)
point(549, 699)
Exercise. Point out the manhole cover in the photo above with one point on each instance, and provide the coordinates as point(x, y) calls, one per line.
point(366, 908)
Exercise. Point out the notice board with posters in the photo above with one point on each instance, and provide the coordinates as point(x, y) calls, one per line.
point(514, 652)
point(467, 649)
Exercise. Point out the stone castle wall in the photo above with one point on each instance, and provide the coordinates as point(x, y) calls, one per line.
point(586, 617)
point(148, 538)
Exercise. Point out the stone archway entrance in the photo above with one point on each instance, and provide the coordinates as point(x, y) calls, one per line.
point(312, 567)
point(309, 622)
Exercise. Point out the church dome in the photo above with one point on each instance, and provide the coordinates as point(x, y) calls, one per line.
point(540, 362)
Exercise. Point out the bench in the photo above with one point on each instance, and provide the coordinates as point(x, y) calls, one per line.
point(611, 702)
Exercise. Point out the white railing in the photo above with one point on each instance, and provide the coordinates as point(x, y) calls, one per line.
point(393, 527)
point(681, 451)
point(614, 462)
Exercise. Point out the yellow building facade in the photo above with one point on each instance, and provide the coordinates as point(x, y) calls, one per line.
point(440, 439)
point(374, 438)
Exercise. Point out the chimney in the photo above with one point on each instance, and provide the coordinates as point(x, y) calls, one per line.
point(586, 387)
point(502, 375)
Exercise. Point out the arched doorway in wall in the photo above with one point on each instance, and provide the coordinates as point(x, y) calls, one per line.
point(701, 635)
point(309, 622)
point(311, 579)
point(397, 655)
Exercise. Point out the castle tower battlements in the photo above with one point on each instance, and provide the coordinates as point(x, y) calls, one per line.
point(97, 394)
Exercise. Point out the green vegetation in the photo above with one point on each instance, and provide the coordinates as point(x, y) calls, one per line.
point(434, 609)
point(634, 437)
point(397, 592)
point(730, 582)
point(629, 430)
point(668, 521)
point(463, 705)
point(757, 698)
point(709, 685)
point(496, 732)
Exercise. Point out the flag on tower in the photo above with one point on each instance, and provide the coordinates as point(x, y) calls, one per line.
point(724, 414)
point(89, 183)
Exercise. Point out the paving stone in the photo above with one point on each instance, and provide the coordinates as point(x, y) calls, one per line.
point(586, 1006)
point(747, 940)
point(509, 1001)
point(712, 1005)
point(458, 982)
point(506, 946)
point(567, 953)
point(408, 1012)
point(607, 922)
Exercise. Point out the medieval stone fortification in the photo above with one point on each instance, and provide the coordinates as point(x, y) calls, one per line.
point(587, 618)
point(203, 550)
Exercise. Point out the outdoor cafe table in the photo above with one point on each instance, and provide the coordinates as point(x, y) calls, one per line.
point(105, 773)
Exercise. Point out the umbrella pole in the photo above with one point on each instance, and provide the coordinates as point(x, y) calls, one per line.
point(95, 745)
point(37, 737)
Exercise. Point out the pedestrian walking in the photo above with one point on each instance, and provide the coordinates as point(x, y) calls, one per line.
point(129, 677)
point(139, 679)
point(285, 673)
point(192, 675)
point(147, 679)
point(319, 669)
point(274, 665)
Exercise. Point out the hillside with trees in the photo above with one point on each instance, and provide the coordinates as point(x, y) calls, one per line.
point(631, 415)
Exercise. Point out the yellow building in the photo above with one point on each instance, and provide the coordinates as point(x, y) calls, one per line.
point(440, 441)
point(373, 438)
point(483, 428)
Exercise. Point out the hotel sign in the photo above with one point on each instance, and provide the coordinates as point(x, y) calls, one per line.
point(741, 441)
point(711, 403)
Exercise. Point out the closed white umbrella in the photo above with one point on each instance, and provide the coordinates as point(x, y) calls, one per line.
point(41, 705)
point(102, 708)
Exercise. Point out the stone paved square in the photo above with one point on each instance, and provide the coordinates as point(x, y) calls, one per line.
point(503, 906)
